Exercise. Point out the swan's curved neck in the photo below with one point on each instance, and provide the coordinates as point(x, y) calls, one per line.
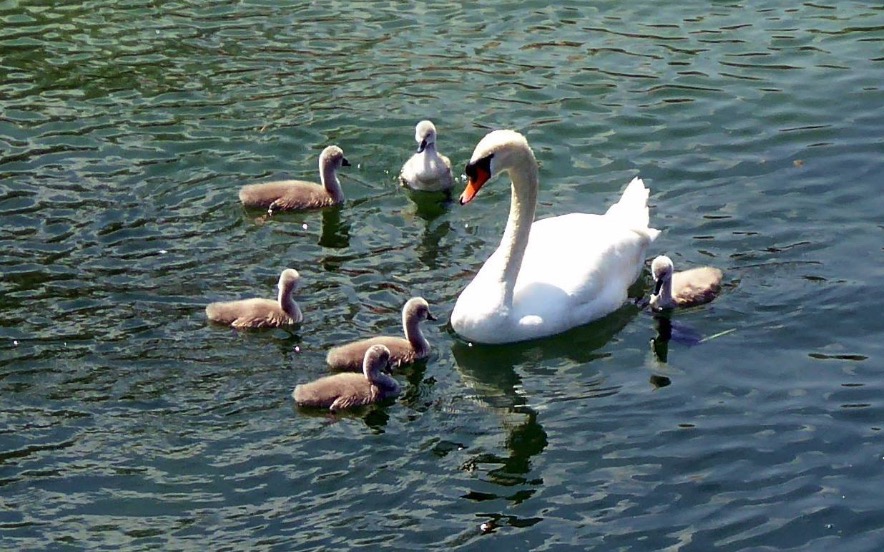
point(329, 176)
point(664, 299)
point(518, 226)
point(288, 303)
point(413, 333)
point(378, 378)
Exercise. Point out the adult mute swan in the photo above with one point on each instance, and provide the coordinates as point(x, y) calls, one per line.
point(554, 274)
point(683, 289)
point(261, 313)
point(299, 195)
point(413, 347)
point(427, 169)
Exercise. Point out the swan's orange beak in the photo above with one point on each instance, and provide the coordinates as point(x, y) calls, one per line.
point(474, 184)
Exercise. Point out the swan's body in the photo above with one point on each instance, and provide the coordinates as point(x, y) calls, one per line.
point(683, 289)
point(291, 195)
point(427, 169)
point(403, 351)
point(261, 313)
point(347, 389)
point(556, 273)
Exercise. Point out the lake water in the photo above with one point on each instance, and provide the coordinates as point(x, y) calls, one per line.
point(127, 422)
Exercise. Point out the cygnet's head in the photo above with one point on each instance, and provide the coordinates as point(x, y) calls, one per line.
point(497, 152)
point(661, 270)
point(333, 156)
point(289, 280)
point(417, 308)
point(424, 135)
point(377, 359)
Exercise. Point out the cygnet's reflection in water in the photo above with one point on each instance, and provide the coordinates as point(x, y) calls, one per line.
point(496, 376)
point(335, 233)
point(660, 343)
point(667, 331)
point(430, 206)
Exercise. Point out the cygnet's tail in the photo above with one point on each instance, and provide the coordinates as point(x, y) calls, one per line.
point(632, 208)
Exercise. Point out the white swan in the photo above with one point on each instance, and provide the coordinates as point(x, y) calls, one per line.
point(427, 169)
point(556, 273)
point(687, 288)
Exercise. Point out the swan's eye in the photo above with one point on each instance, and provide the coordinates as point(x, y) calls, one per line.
point(472, 169)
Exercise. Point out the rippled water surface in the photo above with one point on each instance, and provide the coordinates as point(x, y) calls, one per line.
point(128, 422)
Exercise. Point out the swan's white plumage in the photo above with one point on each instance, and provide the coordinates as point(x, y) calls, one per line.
point(576, 267)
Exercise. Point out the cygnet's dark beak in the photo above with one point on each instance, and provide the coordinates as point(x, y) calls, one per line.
point(422, 147)
point(431, 317)
point(658, 285)
point(345, 163)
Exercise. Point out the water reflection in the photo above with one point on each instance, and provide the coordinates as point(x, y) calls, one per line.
point(335, 233)
point(490, 369)
point(658, 381)
point(490, 372)
point(428, 249)
point(660, 343)
point(374, 416)
point(668, 330)
point(429, 205)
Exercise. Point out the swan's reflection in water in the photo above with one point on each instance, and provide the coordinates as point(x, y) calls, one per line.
point(493, 376)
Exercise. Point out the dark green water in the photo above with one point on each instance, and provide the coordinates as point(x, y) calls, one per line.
point(127, 422)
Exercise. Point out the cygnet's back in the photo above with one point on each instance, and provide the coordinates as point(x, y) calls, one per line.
point(259, 312)
point(346, 390)
point(413, 347)
point(683, 289)
point(288, 195)
point(427, 169)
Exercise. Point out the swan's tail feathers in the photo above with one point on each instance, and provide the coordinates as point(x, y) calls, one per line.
point(632, 208)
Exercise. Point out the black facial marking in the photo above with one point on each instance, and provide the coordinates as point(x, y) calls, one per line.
point(484, 163)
